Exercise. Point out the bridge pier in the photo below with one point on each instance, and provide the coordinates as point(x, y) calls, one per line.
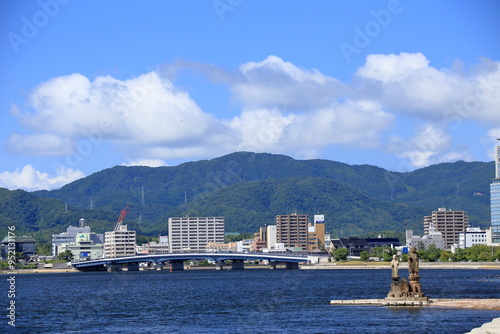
point(113, 267)
point(219, 265)
point(177, 265)
point(133, 266)
point(292, 265)
point(237, 265)
point(159, 266)
point(272, 265)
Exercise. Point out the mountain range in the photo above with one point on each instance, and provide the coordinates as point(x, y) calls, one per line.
point(249, 190)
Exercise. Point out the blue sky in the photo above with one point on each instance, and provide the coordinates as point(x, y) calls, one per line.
point(87, 85)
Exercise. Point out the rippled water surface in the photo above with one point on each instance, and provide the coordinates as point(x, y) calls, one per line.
point(248, 301)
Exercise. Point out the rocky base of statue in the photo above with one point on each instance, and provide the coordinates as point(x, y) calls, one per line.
point(404, 291)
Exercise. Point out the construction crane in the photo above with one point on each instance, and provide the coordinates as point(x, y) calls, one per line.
point(123, 213)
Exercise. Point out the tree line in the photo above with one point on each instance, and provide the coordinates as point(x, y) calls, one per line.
point(476, 253)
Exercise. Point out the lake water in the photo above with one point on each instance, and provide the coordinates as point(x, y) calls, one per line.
point(248, 301)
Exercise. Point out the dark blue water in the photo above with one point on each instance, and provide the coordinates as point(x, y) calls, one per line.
point(249, 301)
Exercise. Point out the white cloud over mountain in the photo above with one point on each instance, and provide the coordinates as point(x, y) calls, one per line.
point(429, 145)
point(30, 179)
point(284, 108)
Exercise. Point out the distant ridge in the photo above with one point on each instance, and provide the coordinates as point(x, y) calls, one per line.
point(249, 189)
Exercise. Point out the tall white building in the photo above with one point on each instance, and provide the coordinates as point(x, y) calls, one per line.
point(194, 233)
point(495, 199)
point(121, 242)
point(271, 236)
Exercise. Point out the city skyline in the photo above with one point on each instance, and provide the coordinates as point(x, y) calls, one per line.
point(394, 84)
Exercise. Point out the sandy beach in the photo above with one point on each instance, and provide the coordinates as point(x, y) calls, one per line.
point(484, 304)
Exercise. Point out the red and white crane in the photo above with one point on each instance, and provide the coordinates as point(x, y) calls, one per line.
point(123, 213)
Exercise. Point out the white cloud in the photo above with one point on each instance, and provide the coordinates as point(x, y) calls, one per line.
point(407, 84)
point(30, 179)
point(284, 109)
point(147, 162)
point(430, 145)
point(354, 123)
point(142, 111)
point(392, 68)
point(261, 129)
point(493, 135)
point(274, 83)
point(150, 120)
point(39, 145)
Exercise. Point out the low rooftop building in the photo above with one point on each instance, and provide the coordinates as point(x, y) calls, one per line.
point(22, 244)
point(472, 236)
point(434, 237)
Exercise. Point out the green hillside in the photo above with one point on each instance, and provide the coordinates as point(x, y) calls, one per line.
point(250, 205)
point(40, 217)
point(251, 189)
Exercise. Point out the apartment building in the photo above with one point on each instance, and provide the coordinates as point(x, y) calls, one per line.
point(194, 233)
point(121, 242)
point(450, 223)
point(292, 230)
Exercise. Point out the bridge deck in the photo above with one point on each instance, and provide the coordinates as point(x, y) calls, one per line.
point(213, 256)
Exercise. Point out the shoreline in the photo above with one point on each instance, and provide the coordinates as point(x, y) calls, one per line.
point(468, 303)
point(320, 266)
point(387, 265)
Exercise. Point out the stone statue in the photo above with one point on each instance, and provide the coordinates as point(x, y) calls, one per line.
point(404, 293)
point(413, 262)
point(395, 267)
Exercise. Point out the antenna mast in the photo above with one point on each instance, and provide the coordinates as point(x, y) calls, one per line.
point(143, 202)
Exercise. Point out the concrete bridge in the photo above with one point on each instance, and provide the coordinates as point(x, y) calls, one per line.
point(157, 261)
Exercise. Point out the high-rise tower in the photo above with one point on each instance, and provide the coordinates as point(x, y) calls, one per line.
point(495, 197)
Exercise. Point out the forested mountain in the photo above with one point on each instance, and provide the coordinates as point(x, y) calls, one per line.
point(251, 189)
point(40, 217)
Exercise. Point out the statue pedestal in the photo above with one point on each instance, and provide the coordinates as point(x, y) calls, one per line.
point(405, 293)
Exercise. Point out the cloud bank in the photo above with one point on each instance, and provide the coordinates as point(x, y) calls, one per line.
point(283, 109)
point(28, 178)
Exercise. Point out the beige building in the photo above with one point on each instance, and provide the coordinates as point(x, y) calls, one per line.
point(194, 233)
point(292, 230)
point(159, 247)
point(120, 242)
point(215, 246)
point(316, 234)
point(449, 223)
